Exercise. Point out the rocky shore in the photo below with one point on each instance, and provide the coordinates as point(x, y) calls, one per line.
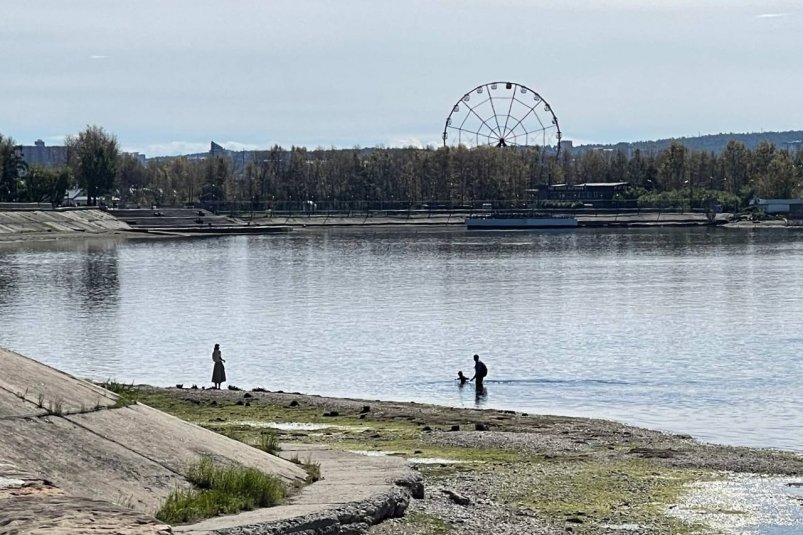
point(505, 472)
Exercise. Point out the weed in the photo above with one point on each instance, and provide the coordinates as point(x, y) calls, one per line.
point(55, 407)
point(220, 490)
point(40, 400)
point(312, 468)
point(126, 394)
point(123, 500)
point(268, 442)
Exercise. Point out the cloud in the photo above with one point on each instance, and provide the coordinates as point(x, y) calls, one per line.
point(414, 142)
point(771, 15)
point(170, 148)
point(98, 56)
point(178, 148)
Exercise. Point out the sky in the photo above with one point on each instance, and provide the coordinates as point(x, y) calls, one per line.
point(169, 76)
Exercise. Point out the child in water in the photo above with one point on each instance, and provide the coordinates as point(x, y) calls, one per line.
point(462, 378)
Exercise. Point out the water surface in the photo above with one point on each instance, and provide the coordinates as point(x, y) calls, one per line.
point(690, 330)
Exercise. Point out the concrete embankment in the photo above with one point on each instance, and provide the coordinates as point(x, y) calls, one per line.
point(75, 458)
point(21, 223)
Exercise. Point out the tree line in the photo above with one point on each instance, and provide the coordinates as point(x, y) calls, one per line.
point(397, 177)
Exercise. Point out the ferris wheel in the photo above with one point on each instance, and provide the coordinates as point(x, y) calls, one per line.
point(503, 114)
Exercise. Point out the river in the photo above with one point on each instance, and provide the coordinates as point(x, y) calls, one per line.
point(691, 330)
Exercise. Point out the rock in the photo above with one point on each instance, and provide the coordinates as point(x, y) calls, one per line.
point(457, 498)
point(455, 428)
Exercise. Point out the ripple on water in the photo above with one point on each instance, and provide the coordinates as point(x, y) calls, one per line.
point(746, 504)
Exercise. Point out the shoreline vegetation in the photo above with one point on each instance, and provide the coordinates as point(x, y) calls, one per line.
point(494, 471)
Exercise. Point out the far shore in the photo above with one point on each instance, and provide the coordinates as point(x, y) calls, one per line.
point(89, 224)
point(497, 471)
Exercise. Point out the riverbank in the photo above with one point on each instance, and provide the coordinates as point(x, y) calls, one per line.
point(504, 472)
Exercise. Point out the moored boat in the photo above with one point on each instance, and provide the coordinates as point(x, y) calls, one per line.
point(501, 221)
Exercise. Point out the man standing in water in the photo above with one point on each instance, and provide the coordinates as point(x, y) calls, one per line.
point(480, 371)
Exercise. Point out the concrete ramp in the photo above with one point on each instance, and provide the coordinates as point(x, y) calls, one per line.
point(38, 387)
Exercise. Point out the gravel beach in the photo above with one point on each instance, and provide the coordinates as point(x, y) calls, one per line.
point(501, 472)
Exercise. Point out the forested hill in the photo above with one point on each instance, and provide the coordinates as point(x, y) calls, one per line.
point(716, 143)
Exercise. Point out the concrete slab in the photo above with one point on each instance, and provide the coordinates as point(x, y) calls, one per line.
point(83, 464)
point(69, 515)
point(126, 426)
point(49, 388)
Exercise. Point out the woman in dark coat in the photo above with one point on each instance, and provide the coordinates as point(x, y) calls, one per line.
point(219, 372)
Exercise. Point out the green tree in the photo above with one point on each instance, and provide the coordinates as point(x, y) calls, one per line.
point(12, 166)
point(131, 176)
point(673, 168)
point(735, 162)
point(93, 157)
point(781, 179)
point(43, 184)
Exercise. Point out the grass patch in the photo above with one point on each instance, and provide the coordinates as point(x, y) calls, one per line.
point(220, 490)
point(414, 447)
point(126, 394)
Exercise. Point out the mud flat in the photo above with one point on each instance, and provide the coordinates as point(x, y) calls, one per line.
point(506, 472)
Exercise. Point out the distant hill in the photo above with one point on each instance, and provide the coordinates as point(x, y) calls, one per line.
point(716, 143)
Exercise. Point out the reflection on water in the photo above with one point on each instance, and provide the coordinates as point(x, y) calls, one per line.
point(691, 330)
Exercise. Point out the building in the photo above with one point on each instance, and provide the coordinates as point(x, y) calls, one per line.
point(39, 154)
point(588, 192)
point(779, 206)
point(75, 197)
